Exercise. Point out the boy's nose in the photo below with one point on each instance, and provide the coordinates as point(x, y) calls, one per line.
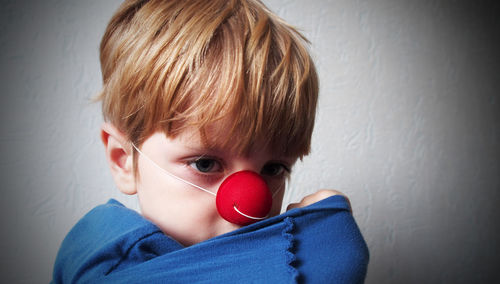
point(243, 198)
point(241, 166)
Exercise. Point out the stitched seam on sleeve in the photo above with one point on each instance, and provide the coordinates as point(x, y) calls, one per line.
point(290, 257)
point(128, 251)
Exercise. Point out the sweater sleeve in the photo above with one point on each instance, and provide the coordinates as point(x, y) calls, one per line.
point(325, 244)
point(109, 238)
point(320, 243)
point(329, 247)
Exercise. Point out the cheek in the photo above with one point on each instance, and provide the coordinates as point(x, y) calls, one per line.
point(278, 189)
point(179, 215)
point(277, 203)
point(167, 197)
point(180, 210)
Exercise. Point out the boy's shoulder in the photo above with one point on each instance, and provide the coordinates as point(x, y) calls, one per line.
point(110, 237)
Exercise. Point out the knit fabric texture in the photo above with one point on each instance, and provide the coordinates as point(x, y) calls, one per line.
point(320, 243)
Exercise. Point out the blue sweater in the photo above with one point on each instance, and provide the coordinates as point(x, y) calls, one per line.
point(320, 243)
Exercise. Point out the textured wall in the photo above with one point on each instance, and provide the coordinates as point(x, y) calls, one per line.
point(408, 127)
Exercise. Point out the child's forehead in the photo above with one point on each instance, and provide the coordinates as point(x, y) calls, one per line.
point(216, 138)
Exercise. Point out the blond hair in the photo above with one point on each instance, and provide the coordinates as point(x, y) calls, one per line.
point(168, 65)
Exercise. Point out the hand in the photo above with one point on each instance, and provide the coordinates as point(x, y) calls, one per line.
point(315, 197)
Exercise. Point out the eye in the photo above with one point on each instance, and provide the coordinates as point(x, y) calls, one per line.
point(274, 169)
point(205, 165)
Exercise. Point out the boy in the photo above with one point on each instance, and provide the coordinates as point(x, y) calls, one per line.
point(200, 98)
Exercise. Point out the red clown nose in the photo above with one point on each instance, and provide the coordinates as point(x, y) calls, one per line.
point(243, 198)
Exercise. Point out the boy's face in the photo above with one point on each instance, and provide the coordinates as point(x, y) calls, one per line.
point(184, 212)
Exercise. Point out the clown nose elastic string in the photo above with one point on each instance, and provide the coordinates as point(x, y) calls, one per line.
point(241, 199)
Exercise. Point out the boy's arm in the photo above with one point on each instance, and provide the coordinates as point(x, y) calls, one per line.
point(320, 243)
point(330, 247)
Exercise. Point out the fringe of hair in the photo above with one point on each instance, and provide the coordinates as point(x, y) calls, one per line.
point(171, 65)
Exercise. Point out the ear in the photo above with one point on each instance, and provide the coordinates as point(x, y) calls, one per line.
point(119, 155)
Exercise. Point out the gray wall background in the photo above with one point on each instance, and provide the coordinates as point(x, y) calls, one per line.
point(408, 127)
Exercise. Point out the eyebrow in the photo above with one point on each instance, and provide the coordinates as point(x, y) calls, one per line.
point(198, 146)
point(205, 150)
